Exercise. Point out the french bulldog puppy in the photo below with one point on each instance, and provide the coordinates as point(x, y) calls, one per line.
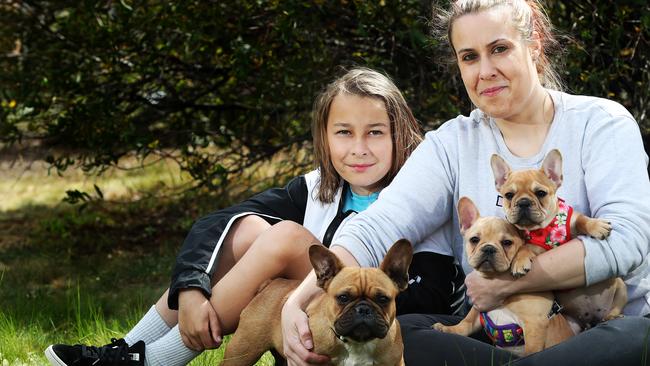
point(492, 246)
point(353, 321)
point(531, 204)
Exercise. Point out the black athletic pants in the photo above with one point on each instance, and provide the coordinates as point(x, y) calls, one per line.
point(623, 341)
point(436, 286)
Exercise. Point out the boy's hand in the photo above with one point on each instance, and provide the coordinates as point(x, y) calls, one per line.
point(197, 321)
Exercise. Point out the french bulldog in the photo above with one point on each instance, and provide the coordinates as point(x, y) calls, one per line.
point(493, 246)
point(531, 204)
point(353, 321)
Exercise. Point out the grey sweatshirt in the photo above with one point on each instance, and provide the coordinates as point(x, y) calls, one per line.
point(605, 176)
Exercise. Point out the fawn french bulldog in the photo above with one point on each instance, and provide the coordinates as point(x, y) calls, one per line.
point(353, 321)
point(531, 204)
point(493, 246)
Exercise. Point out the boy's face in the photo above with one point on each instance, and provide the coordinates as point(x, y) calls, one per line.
point(360, 141)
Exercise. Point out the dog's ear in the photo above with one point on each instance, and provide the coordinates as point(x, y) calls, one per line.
point(467, 213)
point(552, 166)
point(397, 261)
point(500, 169)
point(326, 264)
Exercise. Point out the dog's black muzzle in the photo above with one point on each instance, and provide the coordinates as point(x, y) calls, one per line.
point(524, 215)
point(361, 322)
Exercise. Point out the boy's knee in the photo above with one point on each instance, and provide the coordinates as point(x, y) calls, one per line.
point(251, 223)
point(285, 240)
point(291, 232)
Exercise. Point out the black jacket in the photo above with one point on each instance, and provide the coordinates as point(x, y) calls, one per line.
point(297, 201)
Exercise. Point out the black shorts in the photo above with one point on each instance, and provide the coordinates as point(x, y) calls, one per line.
point(436, 286)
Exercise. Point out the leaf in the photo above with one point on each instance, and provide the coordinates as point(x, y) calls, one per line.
point(99, 192)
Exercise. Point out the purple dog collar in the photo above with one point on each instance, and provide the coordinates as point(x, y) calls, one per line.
point(507, 335)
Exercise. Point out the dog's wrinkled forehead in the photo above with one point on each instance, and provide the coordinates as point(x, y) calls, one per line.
point(528, 181)
point(493, 229)
point(363, 282)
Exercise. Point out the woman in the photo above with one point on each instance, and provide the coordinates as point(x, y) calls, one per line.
point(363, 131)
point(501, 49)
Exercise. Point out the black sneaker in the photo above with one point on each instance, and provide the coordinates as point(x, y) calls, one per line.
point(118, 353)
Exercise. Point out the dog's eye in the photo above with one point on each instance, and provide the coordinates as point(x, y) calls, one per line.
point(506, 242)
point(382, 299)
point(343, 299)
point(509, 195)
point(540, 193)
point(474, 240)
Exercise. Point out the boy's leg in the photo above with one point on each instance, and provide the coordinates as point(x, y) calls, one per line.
point(169, 351)
point(282, 251)
point(239, 239)
point(160, 318)
point(158, 321)
point(151, 326)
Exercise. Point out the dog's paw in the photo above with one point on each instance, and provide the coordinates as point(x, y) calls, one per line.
point(521, 266)
point(440, 327)
point(599, 229)
point(613, 316)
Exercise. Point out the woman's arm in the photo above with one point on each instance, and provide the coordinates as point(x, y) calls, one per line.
point(618, 190)
point(614, 164)
point(418, 202)
point(560, 268)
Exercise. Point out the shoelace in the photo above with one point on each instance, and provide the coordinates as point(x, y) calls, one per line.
point(114, 352)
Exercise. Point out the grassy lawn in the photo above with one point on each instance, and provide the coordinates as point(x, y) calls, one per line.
point(84, 276)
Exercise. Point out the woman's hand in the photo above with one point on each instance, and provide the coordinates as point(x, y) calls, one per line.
point(487, 293)
point(197, 321)
point(296, 337)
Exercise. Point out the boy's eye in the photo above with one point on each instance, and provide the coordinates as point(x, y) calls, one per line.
point(500, 49)
point(375, 133)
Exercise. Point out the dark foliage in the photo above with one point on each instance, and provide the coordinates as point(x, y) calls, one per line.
point(230, 83)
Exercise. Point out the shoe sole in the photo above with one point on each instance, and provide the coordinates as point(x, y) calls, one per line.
point(53, 358)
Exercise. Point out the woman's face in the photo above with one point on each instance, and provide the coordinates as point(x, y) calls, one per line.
point(359, 141)
point(495, 63)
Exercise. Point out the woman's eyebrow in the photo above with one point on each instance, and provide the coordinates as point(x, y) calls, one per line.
point(488, 45)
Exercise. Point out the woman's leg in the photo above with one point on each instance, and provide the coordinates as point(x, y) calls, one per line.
point(426, 346)
point(281, 251)
point(621, 341)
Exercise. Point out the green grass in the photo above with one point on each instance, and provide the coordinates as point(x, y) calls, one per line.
point(84, 276)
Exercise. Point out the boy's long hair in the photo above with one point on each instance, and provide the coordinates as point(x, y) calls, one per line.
point(404, 128)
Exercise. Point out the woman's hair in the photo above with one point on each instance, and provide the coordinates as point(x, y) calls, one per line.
point(404, 128)
point(527, 16)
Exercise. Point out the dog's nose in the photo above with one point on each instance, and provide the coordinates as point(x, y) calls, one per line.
point(363, 309)
point(524, 203)
point(488, 250)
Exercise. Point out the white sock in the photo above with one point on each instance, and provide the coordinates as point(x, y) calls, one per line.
point(169, 351)
point(149, 329)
